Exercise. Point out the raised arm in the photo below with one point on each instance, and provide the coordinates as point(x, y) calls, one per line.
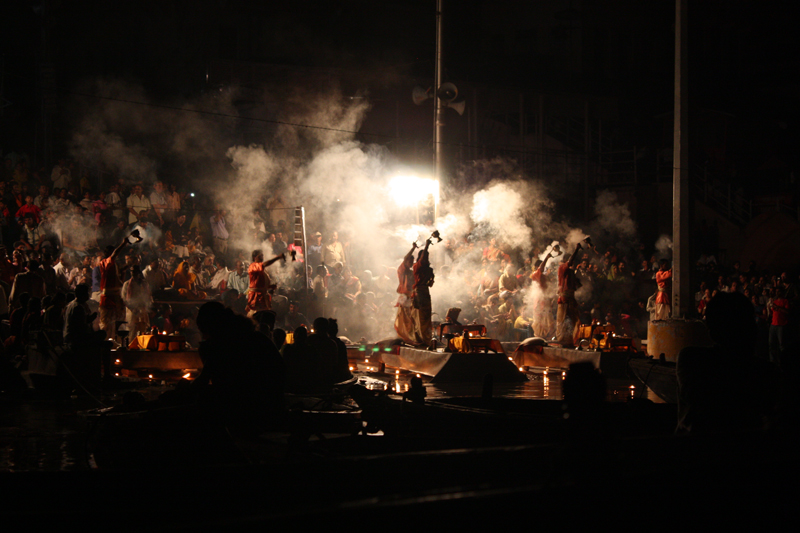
point(268, 263)
point(572, 259)
point(118, 249)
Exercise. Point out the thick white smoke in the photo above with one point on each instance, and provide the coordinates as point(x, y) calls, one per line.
point(343, 185)
point(663, 247)
point(501, 210)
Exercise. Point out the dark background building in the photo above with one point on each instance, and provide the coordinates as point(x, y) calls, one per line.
point(577, 93)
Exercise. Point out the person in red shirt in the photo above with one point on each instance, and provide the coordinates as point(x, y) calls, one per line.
point(777, 328)
point(542, 319)
point(568, 317)
point(112, 309)
point(258, 296)
point(405, 323)
point(423, 281)
point(664, 282)
point(29, 209)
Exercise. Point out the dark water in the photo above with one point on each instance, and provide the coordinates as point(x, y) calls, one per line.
point(41, 435)
point(541, 384)
point(46, 435)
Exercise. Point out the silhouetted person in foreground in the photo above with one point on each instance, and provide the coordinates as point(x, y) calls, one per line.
point(325, 354)
point(585, 395)
point(725, 387)
point(342, 366)
point(80, 340)
point(298, 361)
point(243, 374)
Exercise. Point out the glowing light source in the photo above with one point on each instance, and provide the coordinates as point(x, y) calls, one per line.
point(411, 190)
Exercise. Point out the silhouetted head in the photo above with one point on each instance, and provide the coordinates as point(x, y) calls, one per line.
point(300, 335)
point(212, 319)
point(321, 325)
point(82, 293)
point(279, 337)
point(731, 323)
point(333, 327)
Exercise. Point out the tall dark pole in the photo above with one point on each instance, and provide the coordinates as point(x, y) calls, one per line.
point(438, 121)
point(680, 170)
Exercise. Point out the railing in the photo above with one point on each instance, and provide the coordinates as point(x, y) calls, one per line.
point(617, 167)
point(572, 133)
point(721, 197)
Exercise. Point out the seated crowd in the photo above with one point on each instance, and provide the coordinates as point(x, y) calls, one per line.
point(54, 229)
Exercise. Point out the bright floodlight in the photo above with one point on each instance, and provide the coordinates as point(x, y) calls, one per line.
point(411, 190)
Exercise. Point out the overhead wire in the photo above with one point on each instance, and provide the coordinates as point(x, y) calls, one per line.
point(306, 126)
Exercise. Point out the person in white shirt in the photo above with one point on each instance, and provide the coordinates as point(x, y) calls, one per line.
point(220, 231)
point(137, 202)
point(155, 276)
point(62, 269)
point(61, 175)
point(114, 202)
point(219, 281)
point(159, 200)
point(239, 279)
point(44, 196)
point(174, 202)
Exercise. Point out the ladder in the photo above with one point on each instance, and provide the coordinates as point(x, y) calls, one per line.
point(299, 237)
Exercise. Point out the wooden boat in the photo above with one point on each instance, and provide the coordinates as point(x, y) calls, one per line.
point(499, 421)
point(466, 359)
point(598, 344)
point(137, 434)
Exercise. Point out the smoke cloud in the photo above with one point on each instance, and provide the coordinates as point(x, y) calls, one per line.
point(342, 183)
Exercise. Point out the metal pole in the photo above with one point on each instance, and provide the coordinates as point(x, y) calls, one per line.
point(438, 118)
point(522, 129)
point(540, 165)
point(587, 142)
point(680, 171)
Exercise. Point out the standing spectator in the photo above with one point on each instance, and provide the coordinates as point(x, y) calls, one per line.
point(334, 251)
point(777, 329)
point(62, 270)
point(61, 176)
point(173, 203)
point(29, 282)
point(219, 231)
point(5, 223)
point(315, 251)
point(114, 201)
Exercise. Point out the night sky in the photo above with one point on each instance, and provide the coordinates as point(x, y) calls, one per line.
point(743, 56)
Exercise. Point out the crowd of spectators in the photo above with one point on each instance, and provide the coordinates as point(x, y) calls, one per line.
point(55, 225)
